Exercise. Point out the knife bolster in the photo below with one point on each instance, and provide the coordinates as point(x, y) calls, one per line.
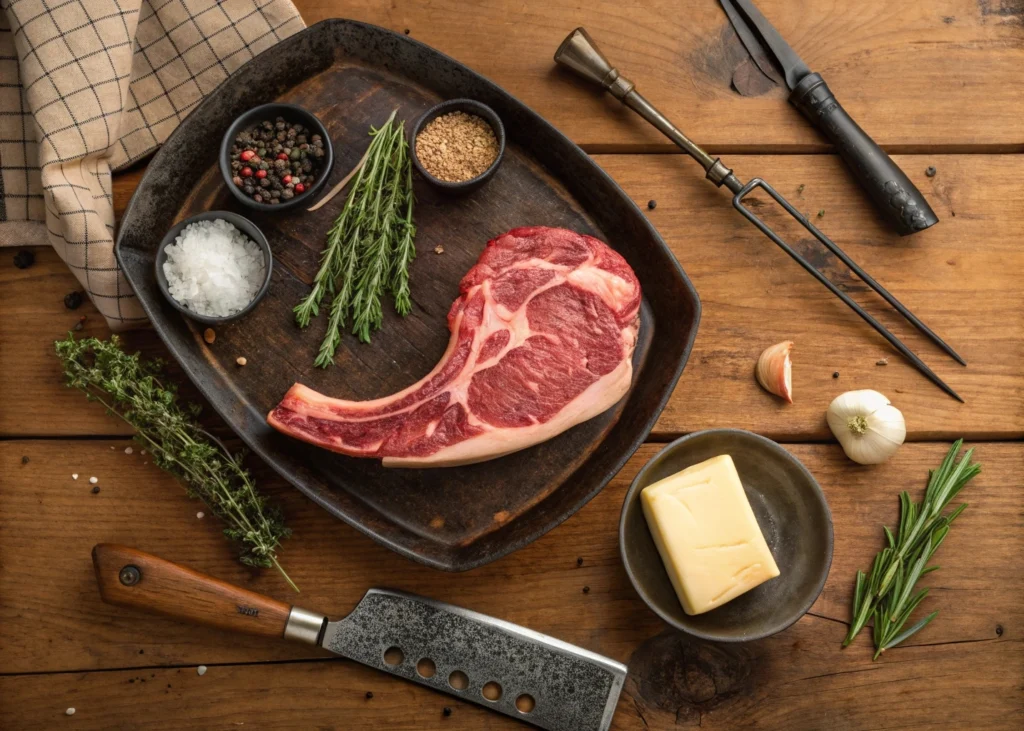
point(305, 626)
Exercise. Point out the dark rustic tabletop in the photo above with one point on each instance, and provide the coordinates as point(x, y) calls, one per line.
point(937, 83)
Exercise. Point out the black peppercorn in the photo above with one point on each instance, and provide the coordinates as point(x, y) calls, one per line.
point(278, 149)
point(586, 589)
point(24, 259)
point(930, 171)
point(24, 460)
point(836, 374)
point(369, 694)
point(95, 489)
point(579, 561)
point(447, 711)
point(652, 204)
point(73, 300)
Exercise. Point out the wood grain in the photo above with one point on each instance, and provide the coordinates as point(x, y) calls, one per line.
point(907, 73)
point(960, 277)
point(178, 592)
point(926, 78)
point(53, 621)
point(788, 686)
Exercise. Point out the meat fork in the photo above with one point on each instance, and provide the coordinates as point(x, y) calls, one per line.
point(579, 53)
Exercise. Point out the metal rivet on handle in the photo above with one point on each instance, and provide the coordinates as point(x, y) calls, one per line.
point(130, 575)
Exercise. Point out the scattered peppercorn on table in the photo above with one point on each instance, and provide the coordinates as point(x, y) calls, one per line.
point(937, 85)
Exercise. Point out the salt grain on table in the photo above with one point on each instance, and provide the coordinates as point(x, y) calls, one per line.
point(200, 515)
point(128, 450)
point(93, 480)
point(214, 269)
point(74, 475)
point(69, 712)
point(201, 670)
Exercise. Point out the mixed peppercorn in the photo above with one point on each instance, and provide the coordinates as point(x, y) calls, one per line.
point(276, 161)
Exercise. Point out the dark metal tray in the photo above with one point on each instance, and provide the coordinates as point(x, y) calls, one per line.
point(352, 75)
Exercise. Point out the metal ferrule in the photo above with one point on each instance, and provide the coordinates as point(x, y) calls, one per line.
point(304, 626)
point(620, 86)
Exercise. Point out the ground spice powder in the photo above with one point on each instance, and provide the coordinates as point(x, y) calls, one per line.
point(456, 147)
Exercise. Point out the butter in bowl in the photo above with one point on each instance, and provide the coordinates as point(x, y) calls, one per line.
point(726, 536)
point(707, 535)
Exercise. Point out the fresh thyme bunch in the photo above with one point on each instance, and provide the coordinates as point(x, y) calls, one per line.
point(887, 593)
point(132, 389)
point(369, 247)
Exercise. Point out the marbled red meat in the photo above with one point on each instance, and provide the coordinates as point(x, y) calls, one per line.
point(542, 336)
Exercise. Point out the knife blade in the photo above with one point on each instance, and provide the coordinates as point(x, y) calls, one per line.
point(899, 201)
point(762, 59)
point(479, 659)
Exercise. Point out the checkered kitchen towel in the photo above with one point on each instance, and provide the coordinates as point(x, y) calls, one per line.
point(90, 86)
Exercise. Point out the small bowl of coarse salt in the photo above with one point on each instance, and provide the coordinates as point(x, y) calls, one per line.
point(458, 145)
point(214, 267)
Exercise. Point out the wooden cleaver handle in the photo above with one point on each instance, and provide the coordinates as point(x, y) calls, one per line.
point(130, 578)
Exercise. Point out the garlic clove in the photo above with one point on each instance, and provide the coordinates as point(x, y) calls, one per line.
point(775, 370)
point(869, 428)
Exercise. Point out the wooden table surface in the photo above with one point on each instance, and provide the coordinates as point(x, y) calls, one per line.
point(938, 83)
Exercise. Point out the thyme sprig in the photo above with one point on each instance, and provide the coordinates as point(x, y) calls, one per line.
point(134, 390)
point(369, 247)
point(887, 594)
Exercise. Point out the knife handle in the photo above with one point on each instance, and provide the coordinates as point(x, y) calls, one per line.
point(130, 578)
point(889, 187)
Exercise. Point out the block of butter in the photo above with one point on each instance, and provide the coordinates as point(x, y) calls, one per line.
point(707, 534)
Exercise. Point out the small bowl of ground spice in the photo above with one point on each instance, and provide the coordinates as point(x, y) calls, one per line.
point(458, 145)
point(275, 157)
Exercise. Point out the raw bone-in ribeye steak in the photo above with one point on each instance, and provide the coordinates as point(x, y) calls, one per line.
point(542, 337)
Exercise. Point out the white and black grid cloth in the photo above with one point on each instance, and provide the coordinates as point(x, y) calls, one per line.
point(91, 86)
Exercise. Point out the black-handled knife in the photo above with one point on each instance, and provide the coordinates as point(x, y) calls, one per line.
point(891, 190)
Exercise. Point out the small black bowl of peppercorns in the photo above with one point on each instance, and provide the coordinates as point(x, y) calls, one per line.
point(276, 156)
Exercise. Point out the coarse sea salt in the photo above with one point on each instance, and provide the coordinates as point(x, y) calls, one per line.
point(214, 269)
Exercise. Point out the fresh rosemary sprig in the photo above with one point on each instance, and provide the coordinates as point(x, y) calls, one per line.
point(132, 389)
point(369, 247)
point(887, 594)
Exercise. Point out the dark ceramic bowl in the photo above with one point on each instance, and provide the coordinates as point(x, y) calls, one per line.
point(291, 113)
point(468, 106)
point(242, 224)
point(791, 511)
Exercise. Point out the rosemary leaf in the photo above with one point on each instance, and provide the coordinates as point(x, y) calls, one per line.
point(888, 593)
point(369, 247)
point(917, 627)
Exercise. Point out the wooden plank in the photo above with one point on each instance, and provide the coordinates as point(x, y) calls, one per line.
point(965, 666)
point(961, 277)
point(905, 72)
point(954, 683)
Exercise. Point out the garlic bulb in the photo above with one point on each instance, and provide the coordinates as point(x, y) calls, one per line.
point(775, 370)
point(869, 428)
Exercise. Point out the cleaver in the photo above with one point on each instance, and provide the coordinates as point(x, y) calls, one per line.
point(498, 665)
